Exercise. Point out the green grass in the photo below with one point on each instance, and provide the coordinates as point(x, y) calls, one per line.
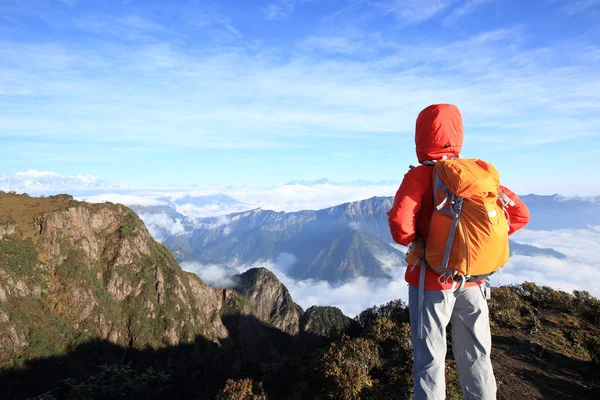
point(18, 257)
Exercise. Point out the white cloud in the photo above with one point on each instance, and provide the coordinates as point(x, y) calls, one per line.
point(288, 198)
point(469, 7)
point(580, 270)
point(581, 245)
point(415, 11)
point(351, 297)
point(280, 9)
point(218, 276)
point(567, 275)
point(159, 223)
point(209, 210)
point(127, 199)
point(497, 82)
point(579, 6)
point(70, 3)
point(301, 197)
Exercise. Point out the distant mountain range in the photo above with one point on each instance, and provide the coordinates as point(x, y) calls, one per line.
point(560, 212)
point(360, 182)
point(37, 181)
point(334, 244)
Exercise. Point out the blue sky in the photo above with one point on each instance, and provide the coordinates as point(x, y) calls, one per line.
point(260, 93)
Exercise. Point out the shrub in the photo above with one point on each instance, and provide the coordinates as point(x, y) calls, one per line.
point(242, 389)
point(393, 338)
point(592, 346)
point(587, 306)
point(505, 307)
point(346, 366)
point(395, 310)
point(545, 297)
point(113, 381)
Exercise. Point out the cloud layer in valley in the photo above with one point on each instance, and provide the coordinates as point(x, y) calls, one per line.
point(579, 271)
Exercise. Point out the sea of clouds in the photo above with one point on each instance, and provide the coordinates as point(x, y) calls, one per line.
point(579, 271)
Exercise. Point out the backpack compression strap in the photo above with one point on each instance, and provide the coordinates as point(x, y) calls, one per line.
point(454, 210)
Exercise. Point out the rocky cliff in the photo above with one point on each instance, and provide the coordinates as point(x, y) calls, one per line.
point(271, 300)
point(72, 271)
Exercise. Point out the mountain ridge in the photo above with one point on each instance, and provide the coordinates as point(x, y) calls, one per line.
point(333, 244)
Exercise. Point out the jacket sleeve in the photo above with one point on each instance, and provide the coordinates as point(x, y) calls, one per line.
point(407, 203)
point(517, 210)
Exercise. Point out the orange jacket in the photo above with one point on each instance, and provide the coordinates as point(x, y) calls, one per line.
point(438, 135)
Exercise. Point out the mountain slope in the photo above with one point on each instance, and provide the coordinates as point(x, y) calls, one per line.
point(94, 271)
point(75, 275)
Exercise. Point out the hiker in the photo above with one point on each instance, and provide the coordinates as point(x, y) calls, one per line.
point(442, 290)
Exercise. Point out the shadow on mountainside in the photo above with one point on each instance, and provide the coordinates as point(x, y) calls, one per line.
point(196, 370)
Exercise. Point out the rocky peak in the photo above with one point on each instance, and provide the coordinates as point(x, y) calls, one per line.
point(271, 300)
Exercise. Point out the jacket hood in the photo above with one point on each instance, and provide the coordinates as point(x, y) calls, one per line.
point(439, 132)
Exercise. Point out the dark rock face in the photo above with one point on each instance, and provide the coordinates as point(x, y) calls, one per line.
point(271, 300)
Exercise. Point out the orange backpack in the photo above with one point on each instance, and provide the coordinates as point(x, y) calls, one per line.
point(469, 226)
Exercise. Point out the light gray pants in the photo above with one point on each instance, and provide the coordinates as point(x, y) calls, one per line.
point(467, 310)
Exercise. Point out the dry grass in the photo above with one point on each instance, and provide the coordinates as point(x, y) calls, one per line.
point(24, 209)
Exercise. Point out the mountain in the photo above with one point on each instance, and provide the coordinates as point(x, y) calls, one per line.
point(560, 212)
point(36, 182)
point(271, 299)
point(532, 251)
point(72, 269)
point(91, 307)
point(334, 244)
point(75, 275)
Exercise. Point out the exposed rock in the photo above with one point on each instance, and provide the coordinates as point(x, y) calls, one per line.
point(271, 299)
point(7, 228)
point(101, 275)
point(72, 271)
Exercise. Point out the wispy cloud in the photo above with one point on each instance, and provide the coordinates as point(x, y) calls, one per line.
point(280, 9)
point(415, 11)
point(131, 27)
point(469, 7)
point(578, 6)
point(201, 78)
point(487, 74)
point(70, 3)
